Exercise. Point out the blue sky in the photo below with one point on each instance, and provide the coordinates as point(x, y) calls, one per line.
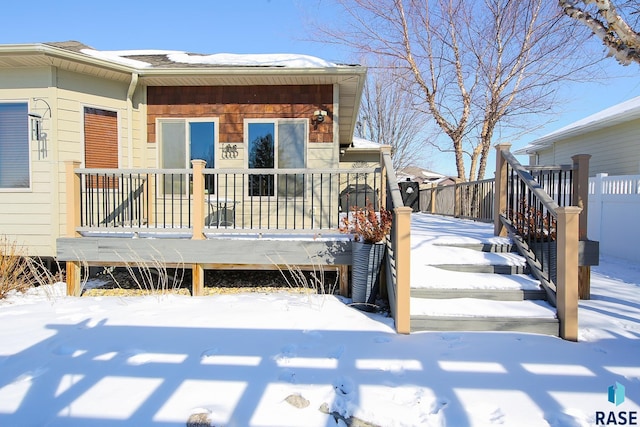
point(248, 26)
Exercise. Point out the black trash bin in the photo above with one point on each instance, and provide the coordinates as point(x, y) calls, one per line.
point(410, 192)
point(358, 195)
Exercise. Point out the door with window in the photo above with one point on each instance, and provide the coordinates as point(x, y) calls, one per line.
point(184, 140)
point(276, 144)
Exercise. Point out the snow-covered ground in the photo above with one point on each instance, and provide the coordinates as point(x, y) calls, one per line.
point(278, 359)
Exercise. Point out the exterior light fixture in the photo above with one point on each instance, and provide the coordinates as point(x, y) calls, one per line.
point(319, 115)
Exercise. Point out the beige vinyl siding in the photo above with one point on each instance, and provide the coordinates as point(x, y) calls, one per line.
point(614, 150)
point(36, 217)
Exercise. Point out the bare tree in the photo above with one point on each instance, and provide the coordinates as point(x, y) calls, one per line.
point(388, 115)
point(474, 65)
point(610, 23)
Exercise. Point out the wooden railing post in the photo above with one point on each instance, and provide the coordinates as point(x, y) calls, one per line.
point(198, 200)
point(385, 150)
point(197, 271)
point(567, 271)
point(457, 198)
point(581, 199)
point(433, 198)
point(73, 198)
point(500, 199)
point(73, 268)
point(402, 245)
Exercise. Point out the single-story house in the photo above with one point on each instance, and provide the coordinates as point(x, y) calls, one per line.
point(611, 137)
point(99, 149)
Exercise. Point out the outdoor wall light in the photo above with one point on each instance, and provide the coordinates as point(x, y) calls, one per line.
point(36, 126)
point(319, 115)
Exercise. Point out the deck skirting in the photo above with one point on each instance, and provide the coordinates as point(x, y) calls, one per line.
point(219, 253)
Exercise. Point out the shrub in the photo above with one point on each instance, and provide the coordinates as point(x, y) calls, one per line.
point(15, 268)
point(366, 224)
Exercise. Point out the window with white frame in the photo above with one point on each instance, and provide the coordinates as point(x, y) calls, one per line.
point(183, 140)
point(14, 146)
point(276, 144)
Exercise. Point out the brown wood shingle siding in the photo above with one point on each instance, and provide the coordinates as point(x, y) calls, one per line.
point(233, 104)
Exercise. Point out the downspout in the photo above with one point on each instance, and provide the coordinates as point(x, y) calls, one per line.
point(132, 88)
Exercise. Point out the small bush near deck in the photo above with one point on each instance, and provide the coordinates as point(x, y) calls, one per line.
point(20, 272)
point(15, 269)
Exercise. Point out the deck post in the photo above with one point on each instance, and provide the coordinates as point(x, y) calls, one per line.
point(433, 198)
point(198, 199)
point(73, 187)
point(500, 198)
point(581, 199)
point(457, 199)
point(567, 271)
point(385, 150)
point(343, 274)
point(197, 280)
point(402, 247)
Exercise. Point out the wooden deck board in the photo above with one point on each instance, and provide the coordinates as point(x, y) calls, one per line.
point(105, 250)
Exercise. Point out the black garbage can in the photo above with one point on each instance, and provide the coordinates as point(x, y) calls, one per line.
point(410, 194)
point(357, 195)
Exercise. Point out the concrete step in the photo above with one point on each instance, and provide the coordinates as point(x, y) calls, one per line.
point(468, 314)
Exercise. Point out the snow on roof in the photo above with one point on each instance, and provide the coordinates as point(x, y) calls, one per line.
point(364, 143)
point(117, 56)
point(220, 59)
point(255, 60)
point(620, 113)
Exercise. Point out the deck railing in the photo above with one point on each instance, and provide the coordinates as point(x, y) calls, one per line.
point(470, 200)
point(545, 212)
point(398, 254)
point(220, 200)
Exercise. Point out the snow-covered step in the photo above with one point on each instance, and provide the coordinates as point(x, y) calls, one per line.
point(470, 314)
point(483, 246)
point(439, 283)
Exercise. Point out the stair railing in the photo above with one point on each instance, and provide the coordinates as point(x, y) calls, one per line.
point(398, 254)
point(545, 232)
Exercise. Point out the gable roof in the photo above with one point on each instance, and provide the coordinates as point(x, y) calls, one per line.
point(620, 113)
point(176, 68)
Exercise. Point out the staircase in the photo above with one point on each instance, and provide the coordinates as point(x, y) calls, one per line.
point(487, 289)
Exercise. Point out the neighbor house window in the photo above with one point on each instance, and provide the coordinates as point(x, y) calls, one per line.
point(278, 144)
point(184, 140)
point(14, 145)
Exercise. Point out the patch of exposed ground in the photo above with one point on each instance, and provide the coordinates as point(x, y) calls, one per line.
point(133, 282)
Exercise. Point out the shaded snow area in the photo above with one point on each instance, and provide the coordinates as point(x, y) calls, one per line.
point(296, 360)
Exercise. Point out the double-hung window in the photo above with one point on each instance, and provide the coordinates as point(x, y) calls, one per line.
point(183, 140)
point(276, 144)
point(14, 146)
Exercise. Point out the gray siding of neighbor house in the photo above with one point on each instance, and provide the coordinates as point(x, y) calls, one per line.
point(614, 150)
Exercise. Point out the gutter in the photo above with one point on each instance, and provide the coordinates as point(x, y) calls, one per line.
point(132, 88)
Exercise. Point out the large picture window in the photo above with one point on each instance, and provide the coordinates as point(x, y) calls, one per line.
point(184, 140)
point(14, 146)
point(278, 144)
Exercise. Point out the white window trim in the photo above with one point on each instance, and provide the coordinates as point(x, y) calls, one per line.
point(186, 121)
point(276, 122)
point(28, 189)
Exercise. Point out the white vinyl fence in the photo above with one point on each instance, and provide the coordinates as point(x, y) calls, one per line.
point(614, 219)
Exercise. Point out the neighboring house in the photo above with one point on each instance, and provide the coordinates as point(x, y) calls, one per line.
point(423, 176)
point(149, 111)
point(611, 137)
